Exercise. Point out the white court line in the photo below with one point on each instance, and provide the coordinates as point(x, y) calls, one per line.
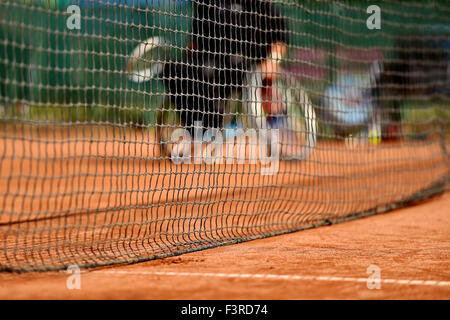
point(276, 277)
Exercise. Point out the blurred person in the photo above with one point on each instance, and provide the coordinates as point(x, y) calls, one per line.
point(229, 39)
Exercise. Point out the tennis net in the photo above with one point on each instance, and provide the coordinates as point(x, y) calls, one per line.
point(88, 90)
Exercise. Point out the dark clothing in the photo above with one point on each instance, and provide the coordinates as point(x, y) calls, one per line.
point(228, 38)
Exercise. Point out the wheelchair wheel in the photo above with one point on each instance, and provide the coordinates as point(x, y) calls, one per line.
point(297, 123)
point(168, 120)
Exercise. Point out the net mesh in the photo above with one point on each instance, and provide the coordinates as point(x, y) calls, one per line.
point(91, 93)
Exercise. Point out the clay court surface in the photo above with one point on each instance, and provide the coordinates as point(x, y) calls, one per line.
point(121, 202)
point(411, 246)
